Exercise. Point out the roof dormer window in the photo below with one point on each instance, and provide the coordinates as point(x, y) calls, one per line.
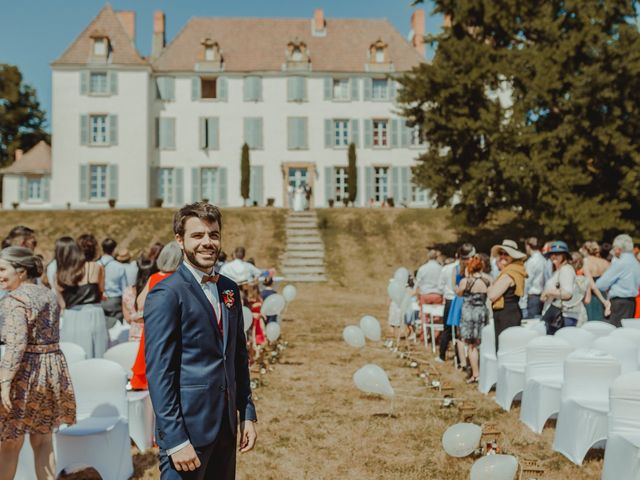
point(210, 57)
point(297, 54)
point(379, 55)
point(211, 50)
point(100, 47)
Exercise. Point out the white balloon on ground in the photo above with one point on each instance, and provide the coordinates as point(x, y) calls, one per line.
point(371, 328)
point(247, 317)
point(495, 467)
point(402, 275)
point(461, 439)
point(273, 305)
point(289, 293)
point(273, 331)
point(353, 336)
point(396, 291)
point(373, 379)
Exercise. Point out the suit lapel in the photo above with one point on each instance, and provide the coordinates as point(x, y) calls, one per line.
point(202, 298)
point(225, 312)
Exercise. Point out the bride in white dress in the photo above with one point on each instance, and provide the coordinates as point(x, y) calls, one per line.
point(298, 199)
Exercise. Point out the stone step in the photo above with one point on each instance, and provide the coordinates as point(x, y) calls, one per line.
point(301, 226)
point(303, 254)
point(305, 247)
point(306, 278)
point(302, 262)
point(301, 232)
point(291, 239)
point(303, 217)
point(303, 270)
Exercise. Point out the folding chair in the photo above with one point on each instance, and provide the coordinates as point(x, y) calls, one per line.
point(432, 311)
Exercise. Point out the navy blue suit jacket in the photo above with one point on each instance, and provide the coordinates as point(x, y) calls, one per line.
point(190, 368)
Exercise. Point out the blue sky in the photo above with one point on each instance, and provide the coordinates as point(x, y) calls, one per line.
point(36, 32)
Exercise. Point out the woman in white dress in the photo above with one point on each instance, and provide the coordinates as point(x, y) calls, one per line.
point(298, 199)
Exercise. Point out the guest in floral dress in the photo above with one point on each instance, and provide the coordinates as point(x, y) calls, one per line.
point(35, 388)
point(133, 314)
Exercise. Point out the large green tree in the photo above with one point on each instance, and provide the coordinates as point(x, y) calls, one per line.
point(533, 107)
point(22, 121)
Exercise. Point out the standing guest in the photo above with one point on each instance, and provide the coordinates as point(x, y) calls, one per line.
point(508, 288)
point(238, 270)
point(79, 284)
point(88, 246)
point(153, 251)
point(581, 290)
point(622, 280)
point(534, 284)
point(123, 256)
point(428, 282)
point(115, 281)
point(448, 294)
point(132, 314)
point(266, 292)
point(35, 389)
point(222, 259)
point(560, 288)
point(473, 289)
point(21, 236)
point(593, 268)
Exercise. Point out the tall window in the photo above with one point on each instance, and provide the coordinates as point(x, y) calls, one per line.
point(166, 184)
point(208, 88)
point(98, 82)
point(381, 183)
point(380, 88)
point(99, 132)
point(417, 136)
point(209, 183)
point(341, 89)
point(380, 133)
point(34, 189)
point(342, 186)
point(419, 195)
point(98, 182)
point(341, 133)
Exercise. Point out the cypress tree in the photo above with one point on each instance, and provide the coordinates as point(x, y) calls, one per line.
point(245, 174)
point(352, 174)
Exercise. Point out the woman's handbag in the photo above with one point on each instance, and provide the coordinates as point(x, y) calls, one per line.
point(553, 315)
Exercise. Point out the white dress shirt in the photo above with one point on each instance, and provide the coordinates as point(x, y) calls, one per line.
point(535, 266)
point(211, 292)
point(240, 271)
point(446, 280)
point(428, 278)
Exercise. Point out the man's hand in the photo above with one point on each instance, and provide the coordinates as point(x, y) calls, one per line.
point(248, 436)
point(186, 459)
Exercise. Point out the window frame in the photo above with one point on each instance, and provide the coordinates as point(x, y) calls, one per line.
point(417, 133)
point(341, 133)
point(212, 80)
point(31, 180)
point(213, 183)
point(346, 90)
point(385, 133)
point(107, 139)
point(95, 93)
point(386, 95)
point(380, 172)
point(341, 183)
point(105, 171)
point(104, 41)
point(172, 186)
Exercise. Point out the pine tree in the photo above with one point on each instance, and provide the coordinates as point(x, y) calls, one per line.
point(245, 173)
point(352, 174)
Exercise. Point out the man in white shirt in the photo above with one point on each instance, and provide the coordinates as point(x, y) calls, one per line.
point(238, 270)
point(445, 283)
point(428, 282)
point(534, 284)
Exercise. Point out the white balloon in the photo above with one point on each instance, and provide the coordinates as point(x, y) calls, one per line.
point(273, 331)
point(371, 328)
point(396, 291)
point(402, 275)
point(273, 305)
point(405, 304)
point(461, 439)
point(353, 336)
point(289, 293)
point(372, 379)
point(247, 317)
point(495, 467)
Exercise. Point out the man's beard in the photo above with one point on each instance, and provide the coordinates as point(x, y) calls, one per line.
point(191, 256)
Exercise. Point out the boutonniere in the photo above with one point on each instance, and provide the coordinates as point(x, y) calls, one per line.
point(227, 298)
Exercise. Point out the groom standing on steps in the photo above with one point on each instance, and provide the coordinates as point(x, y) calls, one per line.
point(197, 361)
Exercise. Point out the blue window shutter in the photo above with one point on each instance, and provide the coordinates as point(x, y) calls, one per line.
point(329, 190)
point(160, 88)
point(167, 133)
point(368, 88)
point(157, 122)
point(22, 189)
point(222, 186)
point(213, 135)
point(259, 89)
point(291, 141)
point(256, 188)
point(84, 82)
point(369, 189)
point(395, 184)
point(46, 189)
point(195, 88)
point(170, 88)
point(223, 93)
point(329, 132)
point(355, 132)
point(406, 135)
point(246, 89)
point(162, 133)
point(195, 185)
point(113, 82)
point(202, 133)
point(355, 89)
point(84, 129)
point(405, 183)
point(247, 131)
point(395, 132)
point(259, 133)
point(328, 88)
point(113, 129)
point(303, 89)
point(291, 89)
point(392, 89)
point(172, 132)
point(112, 172)
point(179, 179)
point(368, 133)
point(303, 129)
point(84, 183)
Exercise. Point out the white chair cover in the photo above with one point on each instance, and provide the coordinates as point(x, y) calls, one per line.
point(100, 439)
point(488, 359)
point(141, 419)
point(632, 334)
point(536, 324)
point(543, 380)
point(511, 363)
point(584, 405)
point(431, 312)
point(631, 323)
point(598, 327)
point(577, 337)
point(73, 353)
point(124, 354)
point(119, 333)
point(622, 349)
point(622, 456)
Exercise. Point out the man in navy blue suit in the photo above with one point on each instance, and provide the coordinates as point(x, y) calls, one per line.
point(196, 355)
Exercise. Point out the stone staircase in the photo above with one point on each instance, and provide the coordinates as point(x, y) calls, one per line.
point(303, 260)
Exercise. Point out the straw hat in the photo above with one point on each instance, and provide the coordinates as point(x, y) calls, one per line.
point(123, 255)
point(510, 247)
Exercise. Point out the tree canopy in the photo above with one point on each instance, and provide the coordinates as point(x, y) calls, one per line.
point(533, 107)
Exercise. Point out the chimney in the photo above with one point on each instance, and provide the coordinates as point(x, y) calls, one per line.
point(446, 23)
point(158, 40)
point(19, 153)
point(319, 23)
point(417, 25)
point(128, 20)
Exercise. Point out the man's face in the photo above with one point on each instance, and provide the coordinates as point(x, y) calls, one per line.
point(617, 251)
point(201, 243)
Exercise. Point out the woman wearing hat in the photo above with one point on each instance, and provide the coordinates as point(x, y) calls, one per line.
point(505, 293)
point(559, 289)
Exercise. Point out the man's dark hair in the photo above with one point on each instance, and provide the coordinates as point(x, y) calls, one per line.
point(88, 245)
point(17, 236)
point(108, 246)
point(239, 253)
point(202, 210)
point(533, 243)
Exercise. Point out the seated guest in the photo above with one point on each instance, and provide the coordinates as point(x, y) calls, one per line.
point(238, 270)
point(115, 281)
point(123, 256)
point(428, 282)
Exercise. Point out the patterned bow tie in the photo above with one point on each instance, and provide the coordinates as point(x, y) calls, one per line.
point(210, 279)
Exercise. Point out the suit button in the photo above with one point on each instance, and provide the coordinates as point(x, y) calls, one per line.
point(222, 389)
point(225, 358)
